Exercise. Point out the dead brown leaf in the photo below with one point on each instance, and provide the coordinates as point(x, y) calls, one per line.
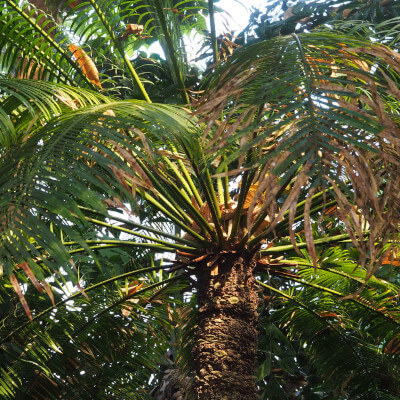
point(15, 284)
point(86, 63)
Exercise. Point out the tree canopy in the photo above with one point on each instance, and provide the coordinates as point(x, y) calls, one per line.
point(171, 232)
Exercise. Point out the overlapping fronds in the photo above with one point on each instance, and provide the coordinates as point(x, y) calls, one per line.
point(131, 20)
point(70, 163)
point(25, 105)
point(69, 41)
point(294, 136)
point(351, 343)
point(29, 50)
point(109, 341)
point(319, 108)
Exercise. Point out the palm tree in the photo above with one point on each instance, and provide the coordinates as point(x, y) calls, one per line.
point(293, 145)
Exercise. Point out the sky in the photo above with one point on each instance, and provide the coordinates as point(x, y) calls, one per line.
point(239, 11)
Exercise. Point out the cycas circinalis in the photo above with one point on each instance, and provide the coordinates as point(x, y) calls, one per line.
point(285, 128)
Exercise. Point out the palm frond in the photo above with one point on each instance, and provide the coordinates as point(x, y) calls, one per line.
point(27, 104)
point(50, 161)
point(330, 329)
point(67, 348)
point(115, 32)
point(319, 106)
point(41, 54)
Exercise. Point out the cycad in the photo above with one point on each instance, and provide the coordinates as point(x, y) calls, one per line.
point(289, 132)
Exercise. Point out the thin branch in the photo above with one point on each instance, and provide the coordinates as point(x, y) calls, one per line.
point(180, 201)
point(166, 246)
point(214, 43)
point(143, 227)
point(174, 219)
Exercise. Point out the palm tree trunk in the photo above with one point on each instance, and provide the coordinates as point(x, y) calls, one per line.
point(226, 344)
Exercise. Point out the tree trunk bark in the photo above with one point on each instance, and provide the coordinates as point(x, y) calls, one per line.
point(226, 344)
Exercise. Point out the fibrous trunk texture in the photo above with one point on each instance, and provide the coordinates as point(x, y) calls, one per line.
point(226, 344)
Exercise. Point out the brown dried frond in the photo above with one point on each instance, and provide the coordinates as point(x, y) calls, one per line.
point(357, 83)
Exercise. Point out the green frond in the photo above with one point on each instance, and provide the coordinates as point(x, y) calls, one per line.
point(114, 32)
point(109, 209)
